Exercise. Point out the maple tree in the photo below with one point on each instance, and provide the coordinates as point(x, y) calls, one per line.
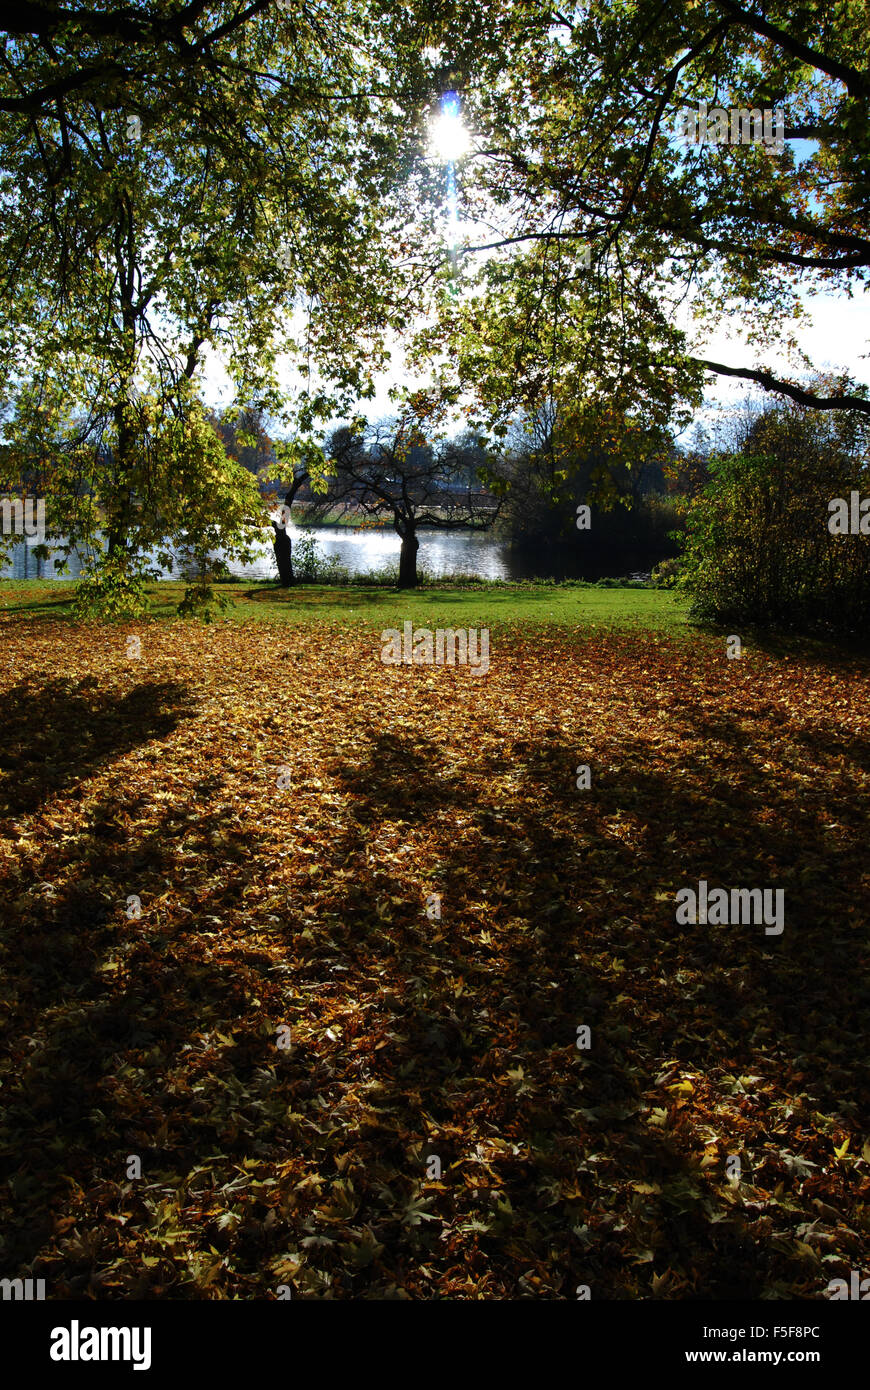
point(146, 228)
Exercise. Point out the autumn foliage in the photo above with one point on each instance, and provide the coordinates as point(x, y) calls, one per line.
point(304, 906)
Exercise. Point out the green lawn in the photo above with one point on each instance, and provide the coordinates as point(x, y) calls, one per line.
point(433, 607)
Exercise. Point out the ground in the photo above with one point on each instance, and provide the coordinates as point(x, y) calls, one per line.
point(469, 605)
point(283, 805)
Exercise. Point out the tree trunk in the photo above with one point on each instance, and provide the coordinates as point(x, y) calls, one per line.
point(408, 561)
point(119, 505)
point(283, 543)
point(283, 555)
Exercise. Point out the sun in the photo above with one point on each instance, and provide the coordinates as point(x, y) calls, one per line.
point(450, 138)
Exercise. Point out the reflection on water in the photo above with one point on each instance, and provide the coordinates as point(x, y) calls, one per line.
point(440, 553)
point(360, 552)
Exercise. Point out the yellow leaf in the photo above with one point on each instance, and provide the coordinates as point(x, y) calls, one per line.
point(681, 1088)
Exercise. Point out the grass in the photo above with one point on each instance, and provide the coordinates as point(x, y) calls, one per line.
point(489, 605)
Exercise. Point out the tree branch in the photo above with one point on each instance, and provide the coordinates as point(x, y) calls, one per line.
point(787, 388)
point(856, 83)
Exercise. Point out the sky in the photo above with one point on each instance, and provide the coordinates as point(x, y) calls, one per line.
point(833, 334)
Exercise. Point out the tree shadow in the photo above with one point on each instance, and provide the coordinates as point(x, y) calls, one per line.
point(726, 1002)
point(448, 1030)
point(61, 732)
point(104, 1009)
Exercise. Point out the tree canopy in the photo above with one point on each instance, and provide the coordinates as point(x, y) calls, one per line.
point(183, 183)
point(233, 184)
point(594, 226)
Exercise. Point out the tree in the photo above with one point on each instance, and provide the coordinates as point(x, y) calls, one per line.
point(146, 226)
point(605, 223)
point(245, 435)
point(760, 548)
point(399, 470)
point(551, 475)
point(244, 430)
point(283, 545)
point(60, 52)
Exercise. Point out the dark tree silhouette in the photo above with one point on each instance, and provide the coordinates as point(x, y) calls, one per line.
point(283, 543)
point(390, 471)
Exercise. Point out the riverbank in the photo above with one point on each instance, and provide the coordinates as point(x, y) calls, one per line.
point(342, 554)
point(480, 604)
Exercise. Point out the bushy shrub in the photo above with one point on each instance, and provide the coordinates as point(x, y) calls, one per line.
point(305, 554)
point(201, 601)
point(758, 549)
point(311, 566)
point(666, 575)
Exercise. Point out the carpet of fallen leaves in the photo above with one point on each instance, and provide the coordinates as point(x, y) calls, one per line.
point(303, 906)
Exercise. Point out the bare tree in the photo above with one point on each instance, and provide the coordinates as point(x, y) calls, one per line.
point(392, 471)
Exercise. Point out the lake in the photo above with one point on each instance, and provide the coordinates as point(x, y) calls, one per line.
point(360, 551)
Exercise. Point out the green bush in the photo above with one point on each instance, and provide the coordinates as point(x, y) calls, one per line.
point(757, 547)
point(667, 574)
